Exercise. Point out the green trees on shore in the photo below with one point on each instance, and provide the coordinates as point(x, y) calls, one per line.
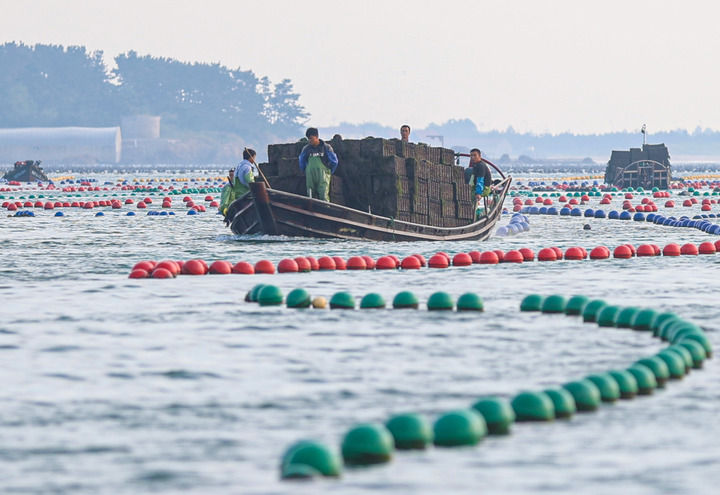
point(52, 85)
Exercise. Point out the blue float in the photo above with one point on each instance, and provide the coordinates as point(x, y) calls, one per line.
point(565, 211)
point(131, 213)
point(589, 212)
point(99, 214)
point(639, 217)
point(192, 212)
point(59, 214)
point(625, 215)
point(599, 213)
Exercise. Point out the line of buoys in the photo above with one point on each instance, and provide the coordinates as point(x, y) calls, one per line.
point(373, 443)
point(442, 260)
point(438, 301)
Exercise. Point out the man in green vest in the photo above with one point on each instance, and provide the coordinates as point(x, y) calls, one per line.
point(318, 161)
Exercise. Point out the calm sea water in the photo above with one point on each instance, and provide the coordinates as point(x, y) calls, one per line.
point(120, 386)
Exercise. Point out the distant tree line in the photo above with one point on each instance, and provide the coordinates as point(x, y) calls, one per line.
point(52, 85)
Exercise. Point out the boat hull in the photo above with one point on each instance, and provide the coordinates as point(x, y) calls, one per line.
point(272, 212)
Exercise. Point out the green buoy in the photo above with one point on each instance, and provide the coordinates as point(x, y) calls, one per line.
point(372, 300)
point(313, 454)
point(553, 304)
point(626, 383)
point(659, 320)
point(663, 329)
point(644, 377)
point(498, 414)
point(533, 406)
point(576, 304)
point(459, 427)
point(410, 431)
point(696, 351)
point(270, 295)
point(591, 309)
point(470, 302)
point(440, 301)
point(625, 316)
point(682, 326)
point(659, 369)
point(675, 364)
point(643, 319)
point(253, 294)
point(342, 300)
point(700, 338)
point(405, 300)
point(298, 298)
point(533, 302)
point(684, 355)
point(607, 315)
point(585, 394)
point(606, 384)
point(366, 444)
point(563, 402)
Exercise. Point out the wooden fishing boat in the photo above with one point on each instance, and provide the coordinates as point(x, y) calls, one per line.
point(273, 212)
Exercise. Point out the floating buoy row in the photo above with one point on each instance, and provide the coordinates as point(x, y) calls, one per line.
point(271, 295)
point(375, 443)
point(518, 223)
point(144, 269)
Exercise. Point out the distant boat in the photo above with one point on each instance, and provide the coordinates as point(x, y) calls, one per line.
point(26, 171)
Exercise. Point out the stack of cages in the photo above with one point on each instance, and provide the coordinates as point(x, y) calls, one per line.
point(410, 182)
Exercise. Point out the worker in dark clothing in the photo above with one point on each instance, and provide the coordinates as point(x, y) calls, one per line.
point(318, 161)
point(481, 176)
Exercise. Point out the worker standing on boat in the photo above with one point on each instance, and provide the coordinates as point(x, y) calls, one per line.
point(405, 133)
point(227, 196)
point(480, 176)
point(318, 161)
point(245, 173)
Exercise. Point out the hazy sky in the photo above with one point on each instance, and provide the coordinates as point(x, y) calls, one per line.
point(536, 65)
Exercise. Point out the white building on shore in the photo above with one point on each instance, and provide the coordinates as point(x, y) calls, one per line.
point(61, 144)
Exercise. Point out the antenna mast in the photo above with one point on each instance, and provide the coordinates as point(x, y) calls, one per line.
point(644, 133)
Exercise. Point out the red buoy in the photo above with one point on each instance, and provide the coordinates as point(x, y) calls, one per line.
point(138, 273)
point(193, 267)
point(220, 267)
point(339, 263)
point(500, 254)
point(689, 248)
point(314, 265)
point(356, 263)
point(243, 268)
point(489, 258)
point(671, 249)
point(144, 265)
point(326, 263)
point(475, 256)
point(140, 205)
point(513, 256)
point(707, 248)
point(161, 273)
point(287, 266)
point(631, 248)
point(395, 259)
point(622, 252)
point(462, 259)
point(547, 254)
point(645, 250)
point(264, 266)
point(706, 208)
point(443, 253)
point(574, 253)
point(657, 249)
point(369, 262)
point(558, 252)
point(303, 264)
point(170, 266)
point(438, 261)
point(410, 263)
point(385, 263)
point(528, 254)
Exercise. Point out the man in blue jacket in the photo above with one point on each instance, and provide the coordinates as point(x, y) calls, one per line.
point(318, 161)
